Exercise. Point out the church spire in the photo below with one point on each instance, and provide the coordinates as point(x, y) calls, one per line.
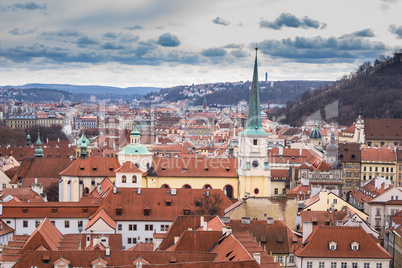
point(254, 111)
point(28, 139)
point(38, 150)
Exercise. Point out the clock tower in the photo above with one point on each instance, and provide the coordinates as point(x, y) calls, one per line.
point(254, 174)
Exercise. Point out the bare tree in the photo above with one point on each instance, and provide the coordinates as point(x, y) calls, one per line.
point(210, 204)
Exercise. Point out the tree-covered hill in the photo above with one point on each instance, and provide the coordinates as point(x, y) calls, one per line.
point(373, 90)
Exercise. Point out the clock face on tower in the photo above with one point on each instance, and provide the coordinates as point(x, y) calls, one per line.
point(255, 163)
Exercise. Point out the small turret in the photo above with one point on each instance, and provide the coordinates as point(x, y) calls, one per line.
point(82, 146)
point(135, 135)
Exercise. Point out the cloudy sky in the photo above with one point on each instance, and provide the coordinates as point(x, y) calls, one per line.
point(164, 43)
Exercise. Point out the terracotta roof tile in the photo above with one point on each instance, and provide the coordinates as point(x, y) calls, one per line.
point(128, 167)
point(133, 201)
point(317, 244)
point(101, 215)
point(195, 167)
point(92, 167)
point(382, 129)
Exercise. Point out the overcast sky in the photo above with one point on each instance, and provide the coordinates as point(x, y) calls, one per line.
point(165, 43)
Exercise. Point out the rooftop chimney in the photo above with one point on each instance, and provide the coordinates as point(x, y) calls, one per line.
point(270, 221)
point(245, 220)
point(257, 257)
point(226, 230)
point(107, 252)
point(307, 230)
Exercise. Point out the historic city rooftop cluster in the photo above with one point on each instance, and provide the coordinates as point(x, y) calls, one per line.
point(173, 185)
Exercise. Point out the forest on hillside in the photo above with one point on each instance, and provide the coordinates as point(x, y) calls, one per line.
point(374, 90)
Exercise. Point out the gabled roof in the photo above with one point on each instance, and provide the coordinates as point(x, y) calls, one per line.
point(180, 224)
point(317, 244)
point(5, 229)
point(229, 249)
point(128, 167)
point(46, 235)
point(101, 215)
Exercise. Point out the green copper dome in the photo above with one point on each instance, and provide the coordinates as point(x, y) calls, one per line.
point(136, 149)
point(315, 134)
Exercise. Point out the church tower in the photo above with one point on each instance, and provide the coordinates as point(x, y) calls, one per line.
point(253, 152)
point(135, 152)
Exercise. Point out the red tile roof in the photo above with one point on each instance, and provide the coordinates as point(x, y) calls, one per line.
point(317, 244)
point(92, 167)
point(46, 235)
point(101, 215)
point(128, 167)
point(32, 168)
point(180, 224)
point(384, 154)
point(82, 209)
point(279, 238)
point(133, 201)
point(382, 129)
point(195, 167)
point(117, 258)
point(23, 194)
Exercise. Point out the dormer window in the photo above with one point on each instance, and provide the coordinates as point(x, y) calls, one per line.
point(354, 246)
point(186, 210)
point(147, 211)
point(332, 245)
point(124, 179)
point(119, 211)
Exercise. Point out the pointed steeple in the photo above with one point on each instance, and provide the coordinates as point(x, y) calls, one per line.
point(38, 150)
point(204, 104)
point(28, 139)
point(254, 125)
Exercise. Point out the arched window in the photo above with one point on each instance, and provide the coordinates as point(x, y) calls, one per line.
point(166, 186)
point(228, 190)
point(134, 179)
point(207, 186)
point(123, 179)
point(186, 186)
